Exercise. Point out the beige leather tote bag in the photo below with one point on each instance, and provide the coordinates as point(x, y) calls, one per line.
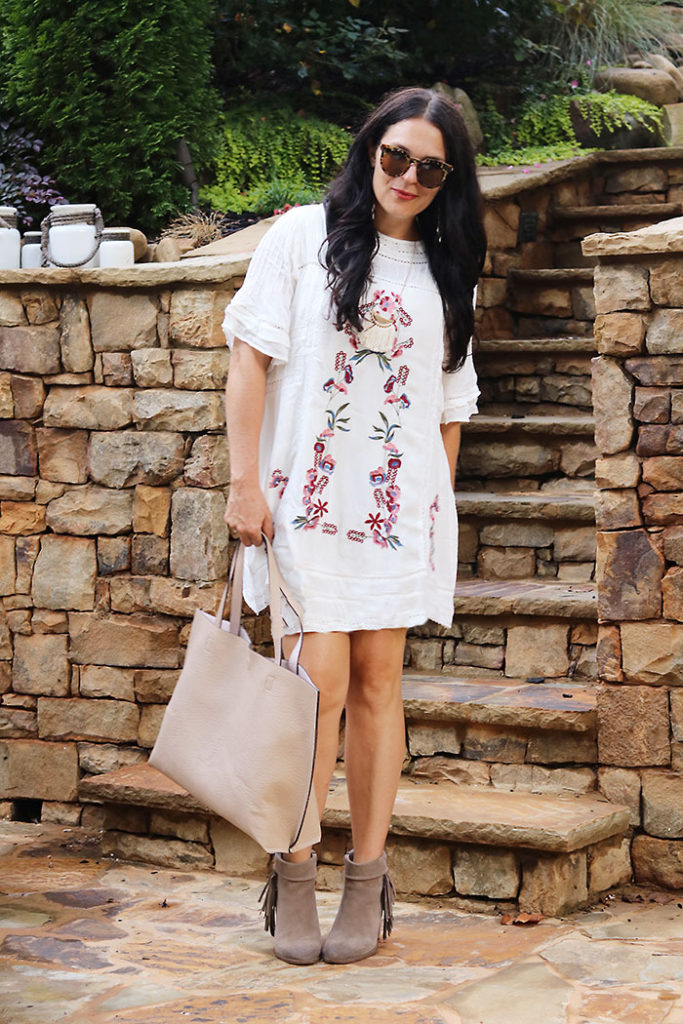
point(240, 730)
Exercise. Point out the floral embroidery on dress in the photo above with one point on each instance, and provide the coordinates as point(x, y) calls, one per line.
point(279, 480)
point(318, 476)
point(384, 314)
point(433, 509)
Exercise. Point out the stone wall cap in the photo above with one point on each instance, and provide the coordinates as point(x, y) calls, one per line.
point(202, 270)
point(664, 237)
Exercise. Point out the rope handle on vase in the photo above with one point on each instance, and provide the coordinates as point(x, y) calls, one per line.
point(69, 218)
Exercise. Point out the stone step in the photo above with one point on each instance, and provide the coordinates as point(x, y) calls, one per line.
point(563, 295)
point(556, 346)
point(549, 277)
point(534, 821)
point(651, 212)
point(541, 853)
point(530, 505)
point(530, 597)
point(560, 706)
point(551, 425)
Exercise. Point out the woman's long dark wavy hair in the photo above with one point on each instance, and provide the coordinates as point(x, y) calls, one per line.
point(451, 227)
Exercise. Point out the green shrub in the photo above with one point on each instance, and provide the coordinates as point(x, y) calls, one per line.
point(269, 150)
point(610, 110)
point(546, 123)
point(531, 155)
point(584, 35)
point(110, 86)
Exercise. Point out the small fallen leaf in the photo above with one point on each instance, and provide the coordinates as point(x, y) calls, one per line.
point(164, 902)
point(521, 919)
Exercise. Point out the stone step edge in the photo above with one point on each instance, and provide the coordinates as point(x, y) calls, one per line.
point(533, 598)
point(483, 423)
point(515, 702)
point(446, 811)
point(438, 811)
point(646, 210)
point(550, 275)
point(571, 506)
point(559, 345)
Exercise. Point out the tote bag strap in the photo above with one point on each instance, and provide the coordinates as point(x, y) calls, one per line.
point(277, 590)
point(236, 581)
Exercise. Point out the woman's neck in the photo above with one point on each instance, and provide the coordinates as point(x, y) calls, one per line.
point(396, 227)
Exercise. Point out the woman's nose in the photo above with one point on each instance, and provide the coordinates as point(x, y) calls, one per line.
point(411, 174)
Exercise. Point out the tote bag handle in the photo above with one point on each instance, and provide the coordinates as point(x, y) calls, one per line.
point(277, 590)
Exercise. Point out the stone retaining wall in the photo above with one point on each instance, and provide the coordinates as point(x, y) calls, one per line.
point(638, 385)
point(113, 476)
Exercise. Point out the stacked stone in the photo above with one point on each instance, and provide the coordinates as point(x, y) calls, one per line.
point(638, 387)
point(113, 477)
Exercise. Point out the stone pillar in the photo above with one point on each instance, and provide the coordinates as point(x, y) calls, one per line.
point(638, 400)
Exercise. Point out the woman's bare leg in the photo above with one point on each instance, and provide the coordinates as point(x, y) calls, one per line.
point(375, 736)
point(325, 656)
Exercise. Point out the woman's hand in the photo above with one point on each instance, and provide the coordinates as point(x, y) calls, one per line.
point(247, 513)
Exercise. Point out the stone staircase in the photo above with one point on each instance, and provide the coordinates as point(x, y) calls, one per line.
point(501, 803)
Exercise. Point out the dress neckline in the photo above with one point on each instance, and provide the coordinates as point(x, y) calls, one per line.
point(401, 247)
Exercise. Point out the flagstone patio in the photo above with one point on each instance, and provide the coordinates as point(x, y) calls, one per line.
point(86, 939)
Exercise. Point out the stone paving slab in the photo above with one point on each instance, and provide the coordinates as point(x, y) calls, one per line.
point(446, 811)
point(89, 941)
point(516, 703)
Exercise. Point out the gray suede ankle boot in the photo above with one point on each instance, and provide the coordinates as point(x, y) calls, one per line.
point(365, 906)
point(288, 902)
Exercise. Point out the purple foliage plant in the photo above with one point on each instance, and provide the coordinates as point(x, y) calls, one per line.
point(21, 184)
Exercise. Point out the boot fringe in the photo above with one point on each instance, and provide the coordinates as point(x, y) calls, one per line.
point(387, 897)
point(268, 902)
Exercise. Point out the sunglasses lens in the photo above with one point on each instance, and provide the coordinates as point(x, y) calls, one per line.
point(430, 175)
point(394, 162)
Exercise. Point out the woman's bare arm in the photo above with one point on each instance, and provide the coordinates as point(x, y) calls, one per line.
point(450, 435)
point(247, 512)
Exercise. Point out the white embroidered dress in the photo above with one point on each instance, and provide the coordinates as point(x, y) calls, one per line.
point(351, 457)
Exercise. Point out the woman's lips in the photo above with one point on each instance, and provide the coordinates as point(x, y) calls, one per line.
point(400, 194)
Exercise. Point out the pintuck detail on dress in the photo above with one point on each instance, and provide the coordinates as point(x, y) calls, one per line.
point(351, 458)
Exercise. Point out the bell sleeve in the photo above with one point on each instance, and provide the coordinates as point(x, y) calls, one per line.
point(460, 389)
point(259, 314)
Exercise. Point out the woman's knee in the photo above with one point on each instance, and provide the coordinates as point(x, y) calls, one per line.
point(376, 668)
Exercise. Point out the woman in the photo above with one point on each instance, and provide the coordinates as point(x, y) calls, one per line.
point(351, 373)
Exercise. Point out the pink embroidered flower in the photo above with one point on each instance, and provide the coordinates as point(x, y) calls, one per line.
point(404, 400)
point(327, 432)
point(319, 508)
point(329, 384)
point(377, 477)
point(391, 447)
point(328, 464)
point(318, 447)
point(389, 384)
point(394, 463)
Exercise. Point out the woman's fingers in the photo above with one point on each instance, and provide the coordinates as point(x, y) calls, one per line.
point(248, 518)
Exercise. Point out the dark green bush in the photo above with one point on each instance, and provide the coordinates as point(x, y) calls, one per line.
point(110, 86)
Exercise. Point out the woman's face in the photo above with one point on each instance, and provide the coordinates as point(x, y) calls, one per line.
point(399, 200)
